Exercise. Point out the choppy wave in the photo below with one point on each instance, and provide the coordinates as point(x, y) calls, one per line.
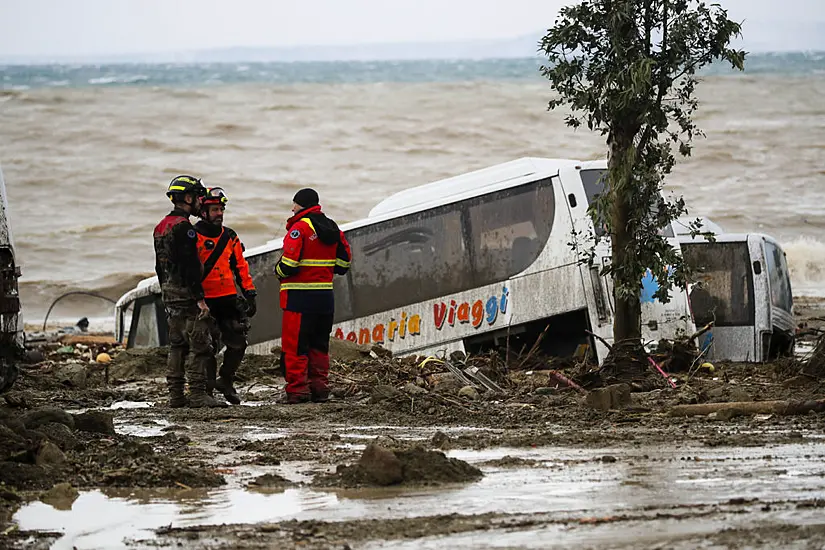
point(806, 263)
point(23, 77)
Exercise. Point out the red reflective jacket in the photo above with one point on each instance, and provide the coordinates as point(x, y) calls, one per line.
point(314, 251)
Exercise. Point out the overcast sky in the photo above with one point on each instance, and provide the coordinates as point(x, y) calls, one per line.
point(80, 27)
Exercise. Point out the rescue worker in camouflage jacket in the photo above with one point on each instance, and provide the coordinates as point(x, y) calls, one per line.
point(179, 272)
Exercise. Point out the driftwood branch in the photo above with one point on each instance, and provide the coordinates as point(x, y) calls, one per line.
point(600, 339)
point(701, 331)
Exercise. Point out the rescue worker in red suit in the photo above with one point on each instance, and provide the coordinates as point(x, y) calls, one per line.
point(314, 251)
point(179, 272)
point(224, 267)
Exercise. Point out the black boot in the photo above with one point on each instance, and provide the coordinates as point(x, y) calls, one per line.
point(225, 386)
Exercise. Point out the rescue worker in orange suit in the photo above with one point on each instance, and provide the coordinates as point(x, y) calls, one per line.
point(315, 250)
point(221, 252)
point(179, 272)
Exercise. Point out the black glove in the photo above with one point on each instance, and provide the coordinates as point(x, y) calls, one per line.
point(251, 304)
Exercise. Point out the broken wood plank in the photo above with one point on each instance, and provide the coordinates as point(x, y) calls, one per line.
point(750, 407)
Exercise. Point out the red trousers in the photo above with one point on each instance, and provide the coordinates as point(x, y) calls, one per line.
point(305, 353)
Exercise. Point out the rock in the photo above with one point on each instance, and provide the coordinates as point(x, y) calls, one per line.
point(95, 421)
point(271, 480)
point(61, 496)
point(608, 459)
point(49, 455)
point(344, 350)
point(382, 393)
point(446, 383)
point(545, 391)
point(72, 375)
point(412, 389)
point(381, 466)
point(34, 419)
point(34, 356)
point(440, 440)
point(616, 396)
point(469, 392)
point(60, 435)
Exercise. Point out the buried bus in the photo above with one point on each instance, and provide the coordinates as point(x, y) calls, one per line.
point(741, 284)
point(484, 259)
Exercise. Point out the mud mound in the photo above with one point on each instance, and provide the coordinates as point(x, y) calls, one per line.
point(131, 463)
point(136, 363)
point(32, 448)
point(381, 467)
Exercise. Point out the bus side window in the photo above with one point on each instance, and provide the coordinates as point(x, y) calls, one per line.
point(409, 260)
point(510, 229)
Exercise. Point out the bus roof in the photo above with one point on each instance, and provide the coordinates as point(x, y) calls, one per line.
point(449, 190)
point(478, 181)
point(457, 188)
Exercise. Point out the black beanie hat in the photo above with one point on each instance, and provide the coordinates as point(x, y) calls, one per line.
point(305, 198)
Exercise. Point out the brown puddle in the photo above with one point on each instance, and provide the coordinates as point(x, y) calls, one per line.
point(549, 480)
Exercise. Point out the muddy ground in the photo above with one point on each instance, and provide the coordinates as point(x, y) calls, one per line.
point(73, 425)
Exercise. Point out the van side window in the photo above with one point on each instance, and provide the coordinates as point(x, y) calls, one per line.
point(510, 229)
point(779, 278)
point(408, 260)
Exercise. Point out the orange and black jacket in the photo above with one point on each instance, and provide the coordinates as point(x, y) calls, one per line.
point(221, 252)
point(315, 250)
point(176, 260)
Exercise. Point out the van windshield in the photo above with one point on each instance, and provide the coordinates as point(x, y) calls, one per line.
point(721, 285)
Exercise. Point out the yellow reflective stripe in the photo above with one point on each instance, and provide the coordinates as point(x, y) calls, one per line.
point(309, 223)
point(290, 263)
point(306, 286)
point(278, 270)
point(342, 263)
point(177, 188)
point(187, 180)
point(317, 263)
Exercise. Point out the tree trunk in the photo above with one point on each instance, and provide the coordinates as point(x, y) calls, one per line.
point(627, 324)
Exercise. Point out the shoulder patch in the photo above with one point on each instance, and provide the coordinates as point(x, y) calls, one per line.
point(191, 233)
point(294, 233)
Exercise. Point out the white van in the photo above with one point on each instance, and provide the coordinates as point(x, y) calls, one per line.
point(465, 263)
point(742, 285)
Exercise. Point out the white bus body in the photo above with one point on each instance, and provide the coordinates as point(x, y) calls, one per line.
point(463, 263)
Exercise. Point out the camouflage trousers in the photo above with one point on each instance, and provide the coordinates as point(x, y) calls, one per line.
point(190, 351)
